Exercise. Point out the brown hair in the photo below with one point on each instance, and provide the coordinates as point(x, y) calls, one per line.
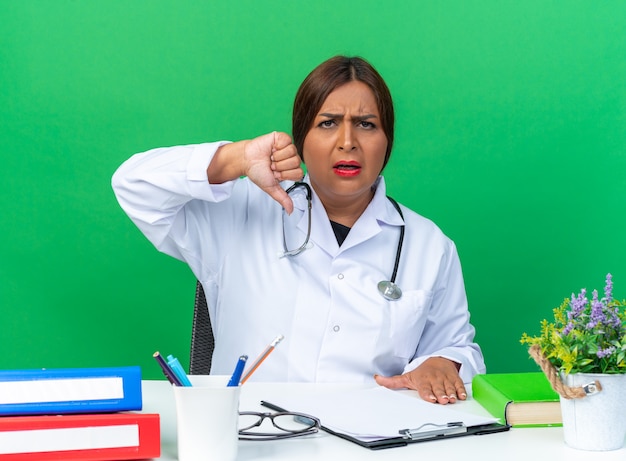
point(327, 77)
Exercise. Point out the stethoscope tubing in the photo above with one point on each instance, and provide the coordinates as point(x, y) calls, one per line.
point(388, 289)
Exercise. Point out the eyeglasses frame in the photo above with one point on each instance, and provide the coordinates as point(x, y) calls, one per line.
point(246, 434)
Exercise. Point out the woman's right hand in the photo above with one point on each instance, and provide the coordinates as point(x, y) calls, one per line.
point(265, 160)
point(272, 158)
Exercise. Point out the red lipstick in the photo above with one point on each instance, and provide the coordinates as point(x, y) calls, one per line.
point(347, 168)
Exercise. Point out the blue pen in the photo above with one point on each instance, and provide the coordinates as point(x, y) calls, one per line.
point(236, 377)
point(178, 369)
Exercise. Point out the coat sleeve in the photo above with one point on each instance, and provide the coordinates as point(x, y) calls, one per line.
point(448, 332)
point(166, 193)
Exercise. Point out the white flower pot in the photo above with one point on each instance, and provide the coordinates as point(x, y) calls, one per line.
point(598, 421)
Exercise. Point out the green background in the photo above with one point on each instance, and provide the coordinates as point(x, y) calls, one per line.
point(511, 135)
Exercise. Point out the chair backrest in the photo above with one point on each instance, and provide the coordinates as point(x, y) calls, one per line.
point(202, 340)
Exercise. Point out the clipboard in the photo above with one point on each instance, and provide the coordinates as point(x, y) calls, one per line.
point(408, 436)
point(402, 441)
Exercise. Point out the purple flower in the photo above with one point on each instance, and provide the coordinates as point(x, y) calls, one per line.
point(597, 311)
point(578, 304)
point(613, 319)
point(605, 352)
point(608, 288)
point(568, 328)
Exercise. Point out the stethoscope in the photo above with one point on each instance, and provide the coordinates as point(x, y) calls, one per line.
point(387, 288)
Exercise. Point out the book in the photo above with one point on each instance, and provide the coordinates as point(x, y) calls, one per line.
point(70, 390)
point(518, 399)
point(85, 437)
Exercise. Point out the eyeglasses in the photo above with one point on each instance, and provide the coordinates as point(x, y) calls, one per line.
point(302, 247)
point(286, 424)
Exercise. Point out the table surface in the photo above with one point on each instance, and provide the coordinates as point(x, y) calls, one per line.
point(516, 444)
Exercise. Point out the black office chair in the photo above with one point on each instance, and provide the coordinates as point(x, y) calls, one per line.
point(202, 340)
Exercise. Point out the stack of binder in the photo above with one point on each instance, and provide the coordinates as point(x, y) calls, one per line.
point(88, 414)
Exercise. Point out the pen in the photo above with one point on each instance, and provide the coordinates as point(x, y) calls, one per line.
point(262, 357)
point(236, 377)
point(178, 370)
point(167, 371)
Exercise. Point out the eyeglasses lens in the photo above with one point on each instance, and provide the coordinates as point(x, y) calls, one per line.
point(251, 423)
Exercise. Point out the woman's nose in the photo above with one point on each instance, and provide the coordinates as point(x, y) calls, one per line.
point(346, 141)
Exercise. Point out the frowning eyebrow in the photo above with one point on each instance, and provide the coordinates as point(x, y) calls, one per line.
point(357, 118)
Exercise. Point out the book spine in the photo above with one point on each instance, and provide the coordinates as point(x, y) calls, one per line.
point(66, 391)
point(116, 436)
point(490, 398)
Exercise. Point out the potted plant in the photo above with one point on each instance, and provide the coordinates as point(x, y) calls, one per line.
point(583, 354)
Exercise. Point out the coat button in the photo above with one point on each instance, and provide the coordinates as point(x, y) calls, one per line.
point(340, 276)
point(336, 328)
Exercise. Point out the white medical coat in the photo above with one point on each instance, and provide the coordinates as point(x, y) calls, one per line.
point(337, 326)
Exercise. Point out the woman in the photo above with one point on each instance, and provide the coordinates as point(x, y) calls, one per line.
point(246, 240)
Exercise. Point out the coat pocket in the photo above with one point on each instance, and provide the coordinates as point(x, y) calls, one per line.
point(408, 317)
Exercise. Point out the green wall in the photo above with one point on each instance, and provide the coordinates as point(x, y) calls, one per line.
point(511, 135)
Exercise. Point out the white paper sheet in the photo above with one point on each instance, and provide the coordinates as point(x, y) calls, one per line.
point(378, 412)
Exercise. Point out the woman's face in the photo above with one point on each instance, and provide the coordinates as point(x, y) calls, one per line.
point(345, 148)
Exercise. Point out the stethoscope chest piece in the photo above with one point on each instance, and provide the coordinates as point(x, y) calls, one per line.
point(389, 290)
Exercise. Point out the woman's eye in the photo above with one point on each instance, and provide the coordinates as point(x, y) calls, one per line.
point(327, 123)
point(366, 124)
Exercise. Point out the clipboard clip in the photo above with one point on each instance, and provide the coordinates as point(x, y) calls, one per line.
point(418, 433)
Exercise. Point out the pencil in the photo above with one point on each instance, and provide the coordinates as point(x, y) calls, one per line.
point(261, 357)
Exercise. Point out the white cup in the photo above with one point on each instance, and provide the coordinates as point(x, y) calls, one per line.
point(207, 414)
